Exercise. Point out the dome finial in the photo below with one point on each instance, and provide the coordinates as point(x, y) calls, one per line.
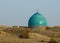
point(37, 10)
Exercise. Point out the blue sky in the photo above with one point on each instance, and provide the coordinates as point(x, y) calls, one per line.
point(18, 12)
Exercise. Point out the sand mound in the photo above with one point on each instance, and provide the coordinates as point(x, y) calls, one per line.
point(8, 38)
point(38, 36)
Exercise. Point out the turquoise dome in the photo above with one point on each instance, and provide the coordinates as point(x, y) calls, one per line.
point(37, 20)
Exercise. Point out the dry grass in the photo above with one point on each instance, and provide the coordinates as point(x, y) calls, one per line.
point(8, 38)
point(8, 35)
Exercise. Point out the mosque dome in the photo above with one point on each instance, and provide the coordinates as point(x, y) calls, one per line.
point(37, 20)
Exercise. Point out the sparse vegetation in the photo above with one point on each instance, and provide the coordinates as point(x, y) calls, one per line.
point(24, 33)
point(52, 41)
point(28, 35)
